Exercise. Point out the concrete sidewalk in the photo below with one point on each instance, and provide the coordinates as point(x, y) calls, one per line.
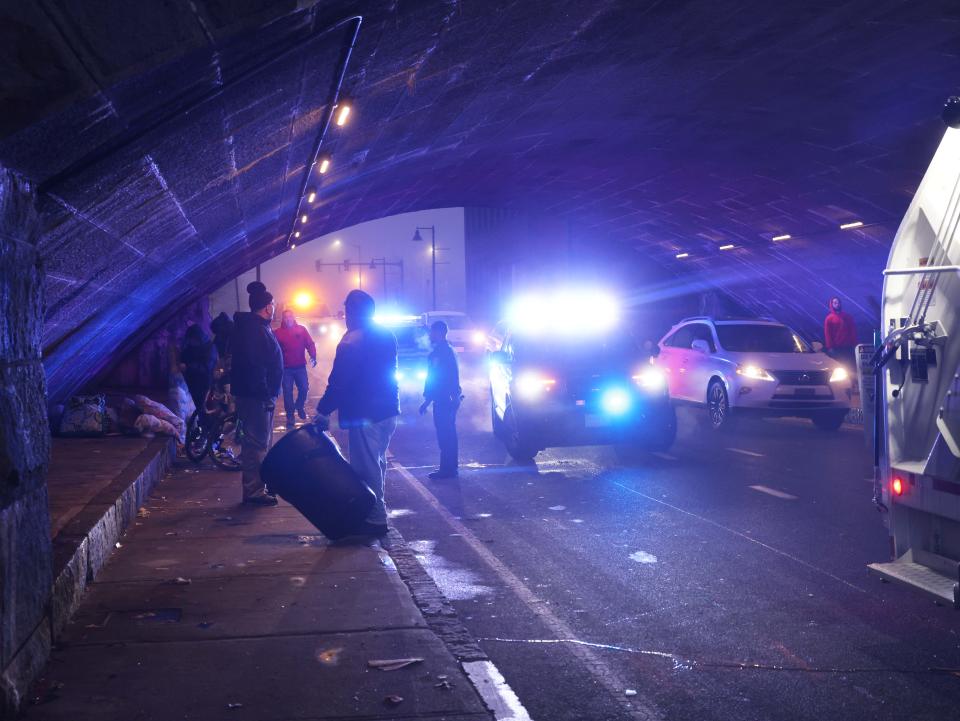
point(211, 610)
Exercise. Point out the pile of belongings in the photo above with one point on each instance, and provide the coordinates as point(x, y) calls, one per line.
point(89, 416)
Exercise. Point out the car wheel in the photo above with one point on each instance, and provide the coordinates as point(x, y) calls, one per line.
point(664, 436)
point(829, 420)
point(517, 446)
point(718, 407)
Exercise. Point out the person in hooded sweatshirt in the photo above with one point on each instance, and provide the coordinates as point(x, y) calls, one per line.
point(362, 389)
point(294, 341)
point(256, 373)
point(197, 359)
point(840, 335)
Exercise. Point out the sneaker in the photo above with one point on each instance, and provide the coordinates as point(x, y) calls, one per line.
point(439, 475)
point(263, 500)
point(302, 413)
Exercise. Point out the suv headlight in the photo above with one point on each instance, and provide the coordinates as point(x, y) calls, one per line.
point(651, 379)
point(839, 375)
point(754, 372)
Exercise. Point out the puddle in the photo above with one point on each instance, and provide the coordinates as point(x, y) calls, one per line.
point(643, 557)
point(454, 582)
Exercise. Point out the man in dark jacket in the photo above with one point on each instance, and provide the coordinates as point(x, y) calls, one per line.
point(255, 376)
point(442, 389)
point(294, 339)
point(362, 388)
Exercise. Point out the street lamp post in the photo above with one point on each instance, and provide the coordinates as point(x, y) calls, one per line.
point(433, 256)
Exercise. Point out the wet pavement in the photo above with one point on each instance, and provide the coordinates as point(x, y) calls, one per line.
point(725, 578)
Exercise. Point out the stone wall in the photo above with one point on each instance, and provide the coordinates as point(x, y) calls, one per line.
point(25, 548)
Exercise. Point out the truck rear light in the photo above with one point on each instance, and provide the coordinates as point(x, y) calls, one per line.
point(897, 486)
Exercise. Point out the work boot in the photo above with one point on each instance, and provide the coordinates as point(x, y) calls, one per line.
point(290, 420)
point(263, 500)
point(302, 413)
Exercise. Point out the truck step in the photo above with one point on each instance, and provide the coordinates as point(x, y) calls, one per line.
point(924, 578)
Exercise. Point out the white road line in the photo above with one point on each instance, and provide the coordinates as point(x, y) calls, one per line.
point(744, 536)
point(664, 456)
point(495, 691)
point(774, 492)
point(635, 706)
point(745, 453)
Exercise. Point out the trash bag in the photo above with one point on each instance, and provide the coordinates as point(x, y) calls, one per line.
point(307, 469)
point(84, 416)
point(179, 398)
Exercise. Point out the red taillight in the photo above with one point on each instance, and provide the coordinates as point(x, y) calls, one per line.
point(897, 486)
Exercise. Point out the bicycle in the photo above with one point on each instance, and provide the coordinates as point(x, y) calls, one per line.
point(219, 433)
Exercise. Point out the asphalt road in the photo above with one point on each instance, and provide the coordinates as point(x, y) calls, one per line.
point(586, 580)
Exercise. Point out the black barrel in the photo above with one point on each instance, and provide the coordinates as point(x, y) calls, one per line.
point(306, 469)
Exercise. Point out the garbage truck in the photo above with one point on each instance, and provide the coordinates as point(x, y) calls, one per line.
point(916, 369)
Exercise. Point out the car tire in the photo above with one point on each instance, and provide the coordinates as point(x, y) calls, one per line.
point(517, 446)
point(666, 434)
point(718, 417)
point(829, 420)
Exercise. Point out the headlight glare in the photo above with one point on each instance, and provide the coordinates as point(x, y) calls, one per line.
point(755, 373)
point(651, 379)
point(839, 375)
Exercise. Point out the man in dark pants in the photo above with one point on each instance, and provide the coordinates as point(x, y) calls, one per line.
point(362, 388)
point(294, 339)
point(442, 388)
point(256, 374)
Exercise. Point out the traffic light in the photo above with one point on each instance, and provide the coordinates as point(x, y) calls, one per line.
point(346, 265)
point(319, 265)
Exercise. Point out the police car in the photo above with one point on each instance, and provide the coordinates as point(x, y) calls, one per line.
point(566, 373)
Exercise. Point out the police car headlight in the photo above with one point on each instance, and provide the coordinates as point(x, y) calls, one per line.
point(533, 385)
point(839, 375)
point(651, 379)
point(615, 401)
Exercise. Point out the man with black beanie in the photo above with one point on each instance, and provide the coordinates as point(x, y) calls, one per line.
point(255, 381)
point(362, 388)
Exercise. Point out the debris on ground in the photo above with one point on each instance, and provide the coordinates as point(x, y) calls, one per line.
point(233, 706)
point(393, 700)
point(393, 664)
point(143, 512)
point(180, 581)
point(329, 656)
point(204, 625)
point(630, 692)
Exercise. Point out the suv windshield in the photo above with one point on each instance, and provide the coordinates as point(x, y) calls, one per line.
point(754, 337)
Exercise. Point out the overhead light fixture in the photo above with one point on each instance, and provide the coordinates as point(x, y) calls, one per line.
point(336, 242)
point(324, 165)
point(681, 256)
point(417, 238)
point(311, 195)
point(785, 236)
point(303, 218)
point(296, 234)
point(343, 112)
point(293, 246)
point(728, 246)
point(849, 226)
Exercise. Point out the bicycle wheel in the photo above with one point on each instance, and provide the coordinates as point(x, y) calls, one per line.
point(198, 442)
point(225, 448)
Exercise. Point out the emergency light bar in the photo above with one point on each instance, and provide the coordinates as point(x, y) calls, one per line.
point(571, 313)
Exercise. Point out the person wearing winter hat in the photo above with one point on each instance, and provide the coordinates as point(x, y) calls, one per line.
point(256, 373)
point(362, 389)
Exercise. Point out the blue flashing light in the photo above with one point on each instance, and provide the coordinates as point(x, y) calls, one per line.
point(421, 375)
point(399, 375)
point(615, 401)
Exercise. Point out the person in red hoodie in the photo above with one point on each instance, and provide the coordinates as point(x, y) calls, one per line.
point(840, 335)
point(294, 339)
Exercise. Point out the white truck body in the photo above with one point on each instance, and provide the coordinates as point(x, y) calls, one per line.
point(918, 470)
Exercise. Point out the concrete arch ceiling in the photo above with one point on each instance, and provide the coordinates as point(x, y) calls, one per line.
point(170, 139)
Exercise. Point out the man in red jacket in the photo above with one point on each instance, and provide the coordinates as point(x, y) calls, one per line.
point(840, 335)
point(294, 339)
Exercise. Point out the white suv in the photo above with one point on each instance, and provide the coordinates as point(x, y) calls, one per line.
point(760, 366)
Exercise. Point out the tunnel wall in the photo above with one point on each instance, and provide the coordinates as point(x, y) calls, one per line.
point(25, 548)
